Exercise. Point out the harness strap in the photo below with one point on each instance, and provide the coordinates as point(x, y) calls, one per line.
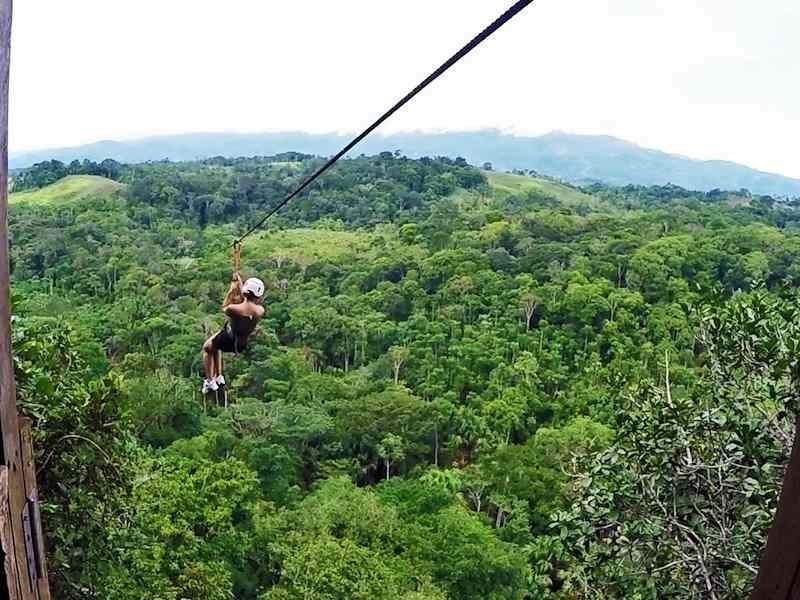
point(234, 337)
point(237, 257)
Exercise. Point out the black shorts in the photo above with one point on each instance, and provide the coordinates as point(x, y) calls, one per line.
point(225, 341)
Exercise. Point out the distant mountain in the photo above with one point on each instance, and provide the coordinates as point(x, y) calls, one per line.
point(573, 158)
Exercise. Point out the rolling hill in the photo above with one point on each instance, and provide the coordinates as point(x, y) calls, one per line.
point(74, 187)
point(505, 184)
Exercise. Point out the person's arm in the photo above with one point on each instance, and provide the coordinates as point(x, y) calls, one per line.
point(234, 310)
point(234, 295)
point(258, 318)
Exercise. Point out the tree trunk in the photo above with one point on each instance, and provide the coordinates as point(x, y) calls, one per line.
point(387, 469)
point(530, 309)
point(779, 575)
point(436, 446)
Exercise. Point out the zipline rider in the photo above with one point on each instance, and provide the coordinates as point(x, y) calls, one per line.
point(245, 314)
point(242, 306)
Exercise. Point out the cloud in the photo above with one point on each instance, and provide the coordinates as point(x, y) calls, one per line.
point(711, 79)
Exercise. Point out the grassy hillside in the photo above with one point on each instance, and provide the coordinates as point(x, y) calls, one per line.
point(69, 189)
point(506, 184)
point(305, 246)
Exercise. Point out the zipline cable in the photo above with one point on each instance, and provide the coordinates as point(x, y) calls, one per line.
point(480, 38)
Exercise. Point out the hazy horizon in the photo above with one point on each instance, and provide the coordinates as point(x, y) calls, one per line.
point(421, 132)
point(711, 82)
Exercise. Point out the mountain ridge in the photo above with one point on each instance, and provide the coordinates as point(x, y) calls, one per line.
point(574, 158)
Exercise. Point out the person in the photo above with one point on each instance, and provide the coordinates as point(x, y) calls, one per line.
point(242, 306)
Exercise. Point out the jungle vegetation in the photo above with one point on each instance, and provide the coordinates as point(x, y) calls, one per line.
point(469, 384)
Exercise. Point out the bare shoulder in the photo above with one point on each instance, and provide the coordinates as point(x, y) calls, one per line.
point(234, 310)
point(261, 312)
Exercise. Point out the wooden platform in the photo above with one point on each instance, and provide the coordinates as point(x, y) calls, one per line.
point(21, 537)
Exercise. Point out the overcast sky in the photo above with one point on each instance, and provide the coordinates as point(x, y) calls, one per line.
point(704, 78)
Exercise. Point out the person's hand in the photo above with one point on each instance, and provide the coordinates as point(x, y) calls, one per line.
point(237, 278)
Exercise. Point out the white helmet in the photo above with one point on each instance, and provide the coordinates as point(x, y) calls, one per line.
point(254, 286)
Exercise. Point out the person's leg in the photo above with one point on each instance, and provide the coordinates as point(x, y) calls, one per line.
point(220, 380)
point(209, 353)
point(210, 365)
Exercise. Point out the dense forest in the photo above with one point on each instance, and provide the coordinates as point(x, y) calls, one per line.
point(469, 384)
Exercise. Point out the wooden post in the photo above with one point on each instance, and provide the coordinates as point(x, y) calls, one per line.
point(32, 497)
point(8, 407)
point(779, 575)
point(24, 575)
point(7, 586)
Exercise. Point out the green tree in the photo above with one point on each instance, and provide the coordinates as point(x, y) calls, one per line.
point(391, 449)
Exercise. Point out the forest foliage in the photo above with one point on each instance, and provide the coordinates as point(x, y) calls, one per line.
point(467, 385)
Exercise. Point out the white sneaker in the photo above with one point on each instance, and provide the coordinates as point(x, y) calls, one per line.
point(209, 385)
point(220, 380)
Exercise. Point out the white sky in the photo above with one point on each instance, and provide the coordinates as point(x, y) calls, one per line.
point(704, 78)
